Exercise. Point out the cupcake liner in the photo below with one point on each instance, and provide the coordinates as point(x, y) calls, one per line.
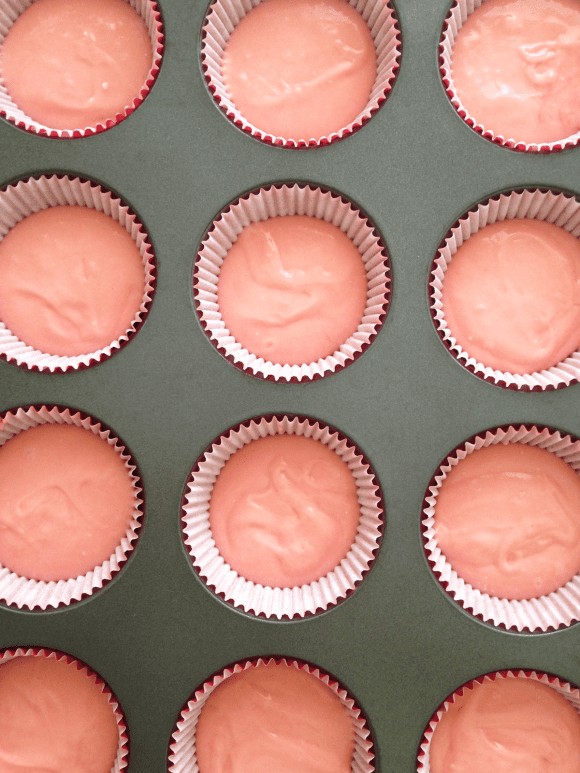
point(555, 610)
point(555, 207)
point(182, 756)
point(121, 760)
point(265, 601)
point(224, 15)
point(454, 21)
point(280, 200)
point(565, 689)
point(10, 10)
point(30, 594)
point(36, 193)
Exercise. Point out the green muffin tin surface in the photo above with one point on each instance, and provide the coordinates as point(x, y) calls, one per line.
point(398, 644)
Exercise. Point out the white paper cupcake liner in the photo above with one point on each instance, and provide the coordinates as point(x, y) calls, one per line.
point(555, 207)
point(121, 760)
point(280, 200)
point(556, 610)
point(565, 689)
point(224, 15)
point(23, 592)
point(34, 194)
point(182, 757)
point(10, 10)
point(265, 601)
point(454, 21)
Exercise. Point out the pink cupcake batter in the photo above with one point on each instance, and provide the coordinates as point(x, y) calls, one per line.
point(54, 718)
point(71, 280)
point(66, 500)
point(274, 717)
point(516, 68)
point(507, 519)
point(511, 295)
point(284, 511)
point(300, 69)
point(511, 725)
point(292, 289)
point(71, 64)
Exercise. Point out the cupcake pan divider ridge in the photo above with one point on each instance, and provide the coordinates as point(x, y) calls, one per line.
point(398, 643)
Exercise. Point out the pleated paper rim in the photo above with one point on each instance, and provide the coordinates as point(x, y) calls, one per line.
point(553, 206)
point(556, 610)
point(25, 593)
point(265, 601)
point(454, 21)
point(122, 758)
point(279, 200)
point(224, 15)
point(149, 12)
point(568, 691)
point(182, 757)
point(33, 194)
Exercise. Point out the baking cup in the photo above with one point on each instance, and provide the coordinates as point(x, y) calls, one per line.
point(224, 15)
point(121, 760)
point(556, 610)
point(10, 10)
point(280, 200)
point(555, 207)
point(265, 601)
point(182, 755)
point(565, 689)
point(25, 593)
point(21, 199)
point(454, 21)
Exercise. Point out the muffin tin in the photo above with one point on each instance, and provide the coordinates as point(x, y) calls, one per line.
point(398, 644)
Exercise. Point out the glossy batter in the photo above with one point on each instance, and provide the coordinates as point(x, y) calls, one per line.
point(284, 511)
point(516, 68)
point(511, 295)
point(511, 725)
point(292, 289)
point(70, 64)
point(54, 718)
point(71, 280)
point(66, 500)
point(300, 69)
point(274, 718)
point(507, 519)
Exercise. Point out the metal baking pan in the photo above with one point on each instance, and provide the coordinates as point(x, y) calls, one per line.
point(398, 643)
